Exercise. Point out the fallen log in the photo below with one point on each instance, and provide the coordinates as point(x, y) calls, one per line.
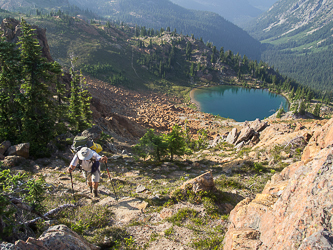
point(51, 212)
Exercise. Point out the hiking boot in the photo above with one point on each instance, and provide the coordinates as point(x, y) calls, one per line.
point(95, 193)
point(91, 189)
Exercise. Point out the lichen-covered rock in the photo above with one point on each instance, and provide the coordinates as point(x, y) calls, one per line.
point(19, 150)
point(294, 209)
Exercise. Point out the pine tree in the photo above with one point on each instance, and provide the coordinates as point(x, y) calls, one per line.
point(11, 109)
point(39, 110)
point(80, 114)
point(176, 142)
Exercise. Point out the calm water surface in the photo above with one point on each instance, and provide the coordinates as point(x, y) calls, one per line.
point(238, 103)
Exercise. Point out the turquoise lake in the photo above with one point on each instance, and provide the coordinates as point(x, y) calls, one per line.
point(240, 104)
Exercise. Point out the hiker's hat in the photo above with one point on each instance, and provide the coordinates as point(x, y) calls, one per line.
point(85, 154)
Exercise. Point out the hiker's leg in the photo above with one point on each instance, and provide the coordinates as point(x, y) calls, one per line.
point(95, 179)
point(87, 175)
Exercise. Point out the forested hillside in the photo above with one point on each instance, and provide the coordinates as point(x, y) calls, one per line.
point(299, 34)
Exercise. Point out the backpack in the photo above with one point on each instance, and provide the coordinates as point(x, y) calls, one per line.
point(83, 141)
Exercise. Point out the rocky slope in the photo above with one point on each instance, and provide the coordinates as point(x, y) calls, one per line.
point(295, 16)
point(295, 209)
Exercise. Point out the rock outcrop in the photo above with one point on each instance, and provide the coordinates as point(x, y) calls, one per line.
point(12, 30)
point(295, 209)
point(19, 150)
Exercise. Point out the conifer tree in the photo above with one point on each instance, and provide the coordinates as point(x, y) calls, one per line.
point(39, 113)
point(10, 96)
point(80, 114)
point(176, 142)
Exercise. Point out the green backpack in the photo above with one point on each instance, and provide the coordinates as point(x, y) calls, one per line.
point(80, 142)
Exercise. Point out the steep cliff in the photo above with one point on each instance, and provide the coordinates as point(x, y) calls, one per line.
point(295, 209)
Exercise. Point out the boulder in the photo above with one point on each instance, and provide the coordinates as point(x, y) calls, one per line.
point(245, 135)
point(258, 125)
point(19, 150)
point(4, 146)
point(12, 161)
point(232, 136)
point(56, 238)
point(93, 133)
point(204, 182)
point(240, 145)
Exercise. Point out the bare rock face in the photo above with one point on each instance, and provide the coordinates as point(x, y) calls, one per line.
point(19, 150)
point(56, 238)
point(204, 182)
point(232, 136)
point(295, 209)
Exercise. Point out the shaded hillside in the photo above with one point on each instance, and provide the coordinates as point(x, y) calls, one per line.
point(211, 27)
point(238, 12)
point(299, 34)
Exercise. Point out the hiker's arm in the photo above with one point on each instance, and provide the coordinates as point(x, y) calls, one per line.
point(70, 168)
point(73, 164)
point(103, 158)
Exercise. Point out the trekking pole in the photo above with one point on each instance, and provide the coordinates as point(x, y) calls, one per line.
point(72, 183)
point(107, 169)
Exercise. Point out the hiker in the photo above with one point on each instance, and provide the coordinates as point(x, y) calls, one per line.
point(89, 161)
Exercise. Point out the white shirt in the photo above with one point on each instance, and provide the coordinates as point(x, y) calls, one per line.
point(86, 164)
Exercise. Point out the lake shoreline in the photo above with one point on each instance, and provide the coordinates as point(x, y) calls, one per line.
point(196, 103)
point(200, 108)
